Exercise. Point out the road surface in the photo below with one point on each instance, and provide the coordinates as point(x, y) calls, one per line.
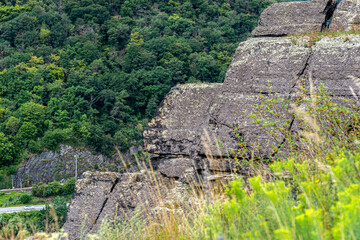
point(20, 209)
point(23, 209)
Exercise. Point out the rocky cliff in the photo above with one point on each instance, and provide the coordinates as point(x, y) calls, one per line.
point(179, 128)
point(52, 166)
point(196, 123)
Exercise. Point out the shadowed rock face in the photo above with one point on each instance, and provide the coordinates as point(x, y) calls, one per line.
point(115, 196)
point(295, 18)
point(347, 16)
point(52, 166)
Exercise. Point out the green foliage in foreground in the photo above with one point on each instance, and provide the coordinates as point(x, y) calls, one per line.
point(22, 224)
point(316, 199)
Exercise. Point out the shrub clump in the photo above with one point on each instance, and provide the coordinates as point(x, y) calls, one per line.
point(53, 188)
point(25, 198)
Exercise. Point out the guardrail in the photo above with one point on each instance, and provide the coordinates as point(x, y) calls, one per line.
point(27, 189)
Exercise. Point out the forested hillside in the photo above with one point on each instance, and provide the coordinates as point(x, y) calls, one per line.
point(90, 72)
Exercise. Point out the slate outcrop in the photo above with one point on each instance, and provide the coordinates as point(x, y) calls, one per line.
point(119, 195)
point(194, 119)
point(295, 18)
point(60, 165)
point(347, 16)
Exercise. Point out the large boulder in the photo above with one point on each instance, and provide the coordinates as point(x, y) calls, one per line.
point(181, 120)
point(106, 195)
point(347, 16)
point(295, 18)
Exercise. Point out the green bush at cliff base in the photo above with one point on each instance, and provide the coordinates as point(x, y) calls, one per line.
point(53, 188)
point(314, 199)
point(25, 198)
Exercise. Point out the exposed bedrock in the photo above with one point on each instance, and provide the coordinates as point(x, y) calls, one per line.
point(347, 16)
point(120, 196)
point(295, 17)
point(191, 113)
point(60, 165)
point(100, 195)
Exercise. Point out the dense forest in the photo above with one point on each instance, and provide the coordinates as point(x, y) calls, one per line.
point(91, 72)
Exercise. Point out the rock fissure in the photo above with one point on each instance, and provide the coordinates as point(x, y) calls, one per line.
point(284, 139)
point(219, 123)
point(106, 200)
point(329, 12)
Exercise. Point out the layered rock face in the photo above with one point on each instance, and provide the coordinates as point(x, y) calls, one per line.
point(196, 124)
point(282, 62)
point(347, 16)
point(57, 165)
point(115, 195)
point(294, 18)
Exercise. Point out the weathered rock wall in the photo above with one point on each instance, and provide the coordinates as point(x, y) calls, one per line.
point(281, 62)
point(347, 16)
point(57, 165)
point(295, 18)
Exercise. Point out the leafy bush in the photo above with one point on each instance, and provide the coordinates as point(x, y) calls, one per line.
point(39, 189)
point(315, 199)
point(60, 206)
point(53, 188)
point(69, 186)
point(25, 198)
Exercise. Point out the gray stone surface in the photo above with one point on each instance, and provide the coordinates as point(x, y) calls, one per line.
point(347, 16)
point(258, 62)
point(333, 60)
point(114, 195)
point(295, 18)
point(176, 167)
point(181, 120)
point(119, 196)
point(57, 165)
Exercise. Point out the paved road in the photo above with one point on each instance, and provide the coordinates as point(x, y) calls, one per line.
point(20, 209)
